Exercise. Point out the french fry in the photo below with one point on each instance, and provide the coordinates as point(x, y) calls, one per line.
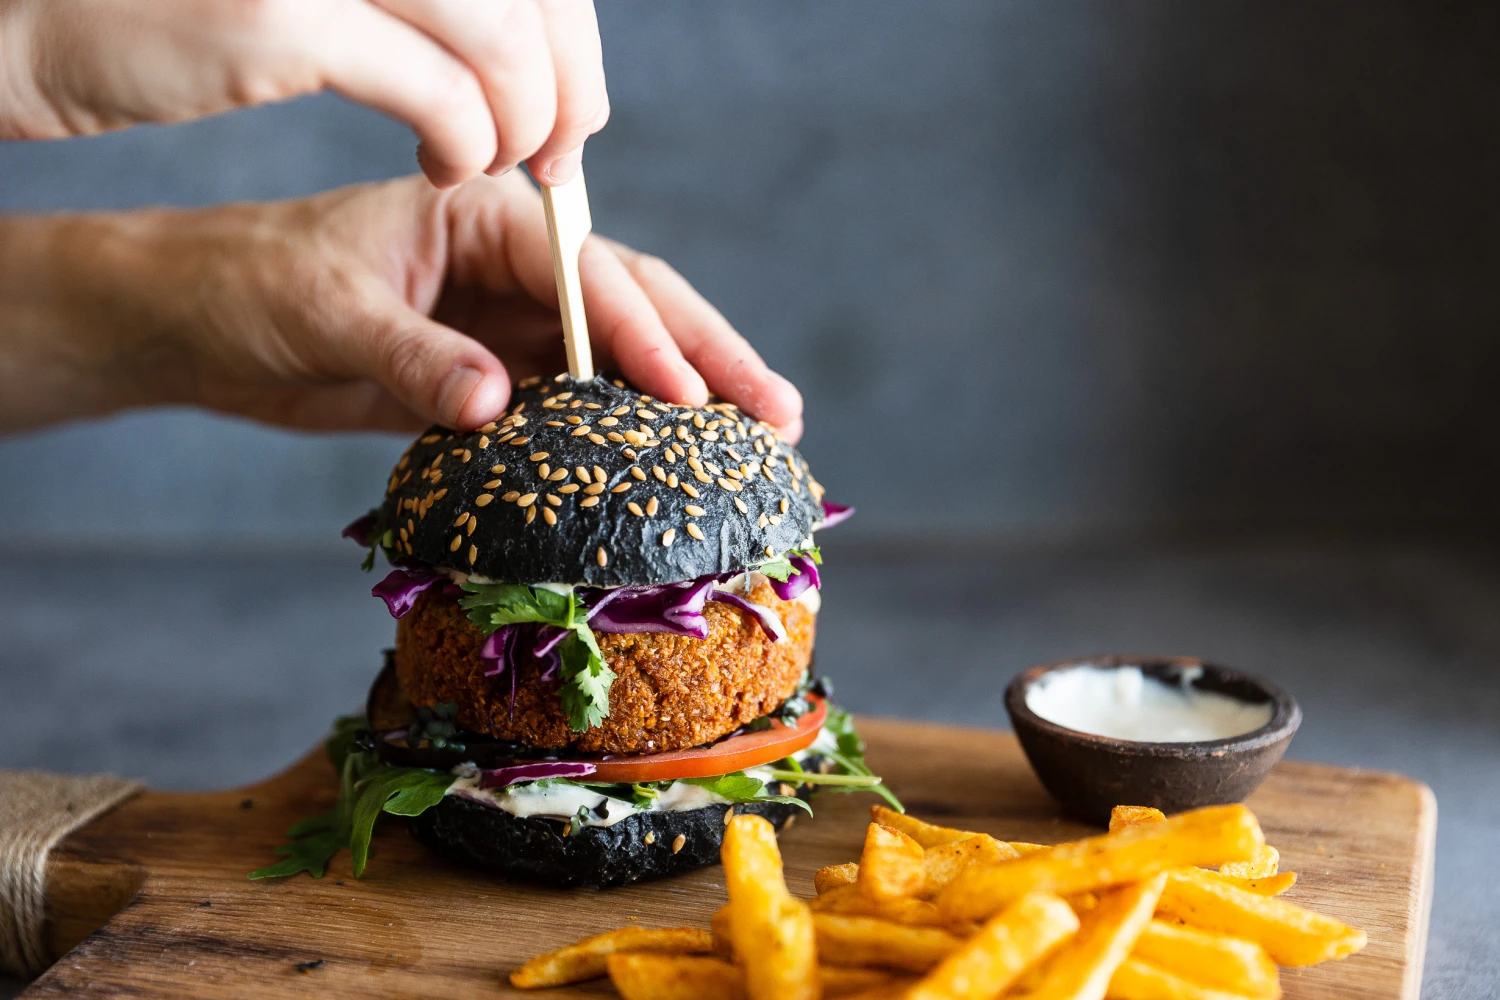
point(1290, 934)
point(926, 834)
point(588, 959)
point(869, 941)
point(893, 990)
point(643, 976)
point(1082, 968)
point(1009, 943)
point(1138, 980)
point(848, 900)
point(1209, 959)
point(843, 981)
point(942, 864)
point(1022, 848)
point(1273, 886)
point(1208, 836)
point(1121, 817)
point(891, 865)
point(1263, 865)
point(772, 933)
point(833, 876)
point(723, 933)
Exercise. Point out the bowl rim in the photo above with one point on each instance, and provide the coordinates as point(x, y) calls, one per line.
point(1286, 714)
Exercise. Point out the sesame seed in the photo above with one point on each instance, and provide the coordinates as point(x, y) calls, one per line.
point(682, 433)
point(616, 437)
point(770, 552)
point(645, 414)
point(574, 419)
point(669, 455)
point(548, 516)
point(635, 437)
point(581, 431)
point(517, 442)
point(554, 499)
point(468, 454)
point(457, 541)
point(569, 488)
point(775, 518)
point(497, 469)
point(728, 815)
point(784, 505)
point(735, 455)
point(690, 490)
point(544, 470)
point(651, 506)
point(608, 421)
point(734, 474)
point(764, 520)
point(594, 488)
point(592, 406)
point(583, 473)
point(656, 471)
point(765, 470)
point(635, 509)
point(695, 531)
point(563, 395)
point(527, 500)
point(575, 404)
point(694, 510)
point(538, 456)
point(596, 438)
point(484, 440)
point(506, 436)
point(636, 472)
point(672, 480)
point(432, 438)
point(678, 449)
point(677, 843)
point(530, 514)
point(461, 519)
point(693, 451)
point(511, 496)
point(694, 464)
point(621, 488)
point(741, 505)
point(473, 523)
point(711, 467)
point(435, 478)
point(559, 475)
point(617, 384)
point(473, 554)
point(632, 454)
point(663, 407)
point(600, 475)
point(588, 501)
point(556, 423)
point(669, 536)
point(601, 557)
point(619, 411)
point(698, 421)
point(483, 499)
point(703, 477)
point(729, 484)
point(710, 435)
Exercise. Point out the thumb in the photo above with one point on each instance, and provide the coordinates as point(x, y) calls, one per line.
point(442, 375)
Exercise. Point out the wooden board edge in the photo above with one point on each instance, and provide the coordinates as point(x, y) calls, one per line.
point(1425, 864)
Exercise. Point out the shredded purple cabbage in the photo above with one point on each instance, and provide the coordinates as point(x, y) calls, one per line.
point(834, 513)
point(804, 575)
point(676, 608)
point(502, 777)
point(401, 588)
point(362, 530)
point(764, 615)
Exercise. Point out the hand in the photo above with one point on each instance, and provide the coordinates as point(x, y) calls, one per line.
point(383, 306)
point(486, 84)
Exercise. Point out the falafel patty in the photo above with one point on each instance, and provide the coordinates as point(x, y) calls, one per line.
point(670, 692)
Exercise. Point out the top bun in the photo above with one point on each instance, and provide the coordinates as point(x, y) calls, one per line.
point(590, 482)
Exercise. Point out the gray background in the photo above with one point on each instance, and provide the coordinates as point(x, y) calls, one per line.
point(1204, 293)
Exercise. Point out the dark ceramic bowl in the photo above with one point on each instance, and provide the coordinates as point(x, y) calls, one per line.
point(1091, 774)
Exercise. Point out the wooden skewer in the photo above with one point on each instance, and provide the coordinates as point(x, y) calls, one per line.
point(568, 222)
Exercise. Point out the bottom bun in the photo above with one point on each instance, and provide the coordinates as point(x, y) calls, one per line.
point(535, 849)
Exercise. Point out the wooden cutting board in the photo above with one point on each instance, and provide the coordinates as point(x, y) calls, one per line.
point(163, 879)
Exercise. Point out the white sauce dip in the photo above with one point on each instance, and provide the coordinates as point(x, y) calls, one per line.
point(1122, 703)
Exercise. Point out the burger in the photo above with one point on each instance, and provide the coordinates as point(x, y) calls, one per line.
point(605, 609)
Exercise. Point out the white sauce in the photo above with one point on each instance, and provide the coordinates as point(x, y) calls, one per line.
point(1122, 703)
point(562, 800)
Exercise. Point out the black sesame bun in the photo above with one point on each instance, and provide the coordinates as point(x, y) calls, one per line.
point(591, 482)
point(639, 847)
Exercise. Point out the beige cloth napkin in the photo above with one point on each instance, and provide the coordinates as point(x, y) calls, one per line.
point(37, 810)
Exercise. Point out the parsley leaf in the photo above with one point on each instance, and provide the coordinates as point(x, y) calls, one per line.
point(781, 567)
point(585, 677)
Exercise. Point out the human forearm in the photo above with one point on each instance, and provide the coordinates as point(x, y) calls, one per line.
point(78, 333)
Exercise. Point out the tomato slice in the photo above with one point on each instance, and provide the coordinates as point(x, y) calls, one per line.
point(733, 754)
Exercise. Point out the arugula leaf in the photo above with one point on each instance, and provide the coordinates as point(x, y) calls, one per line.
point(585, 678)
point(740, 787)
point(850, 756)
point(367, 788)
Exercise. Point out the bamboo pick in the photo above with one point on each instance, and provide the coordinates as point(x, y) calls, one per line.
point(568, 222)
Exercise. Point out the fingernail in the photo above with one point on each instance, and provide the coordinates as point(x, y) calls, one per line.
point(454, 391)
point(565, 167)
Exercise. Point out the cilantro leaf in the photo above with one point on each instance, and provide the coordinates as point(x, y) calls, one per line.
point(586, 680)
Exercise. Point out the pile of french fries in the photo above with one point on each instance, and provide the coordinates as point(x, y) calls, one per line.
point(1185, 908)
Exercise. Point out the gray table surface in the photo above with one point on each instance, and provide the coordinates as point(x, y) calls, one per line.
point(211, 671)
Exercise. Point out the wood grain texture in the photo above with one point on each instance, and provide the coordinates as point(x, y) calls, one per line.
point(1361, 841)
